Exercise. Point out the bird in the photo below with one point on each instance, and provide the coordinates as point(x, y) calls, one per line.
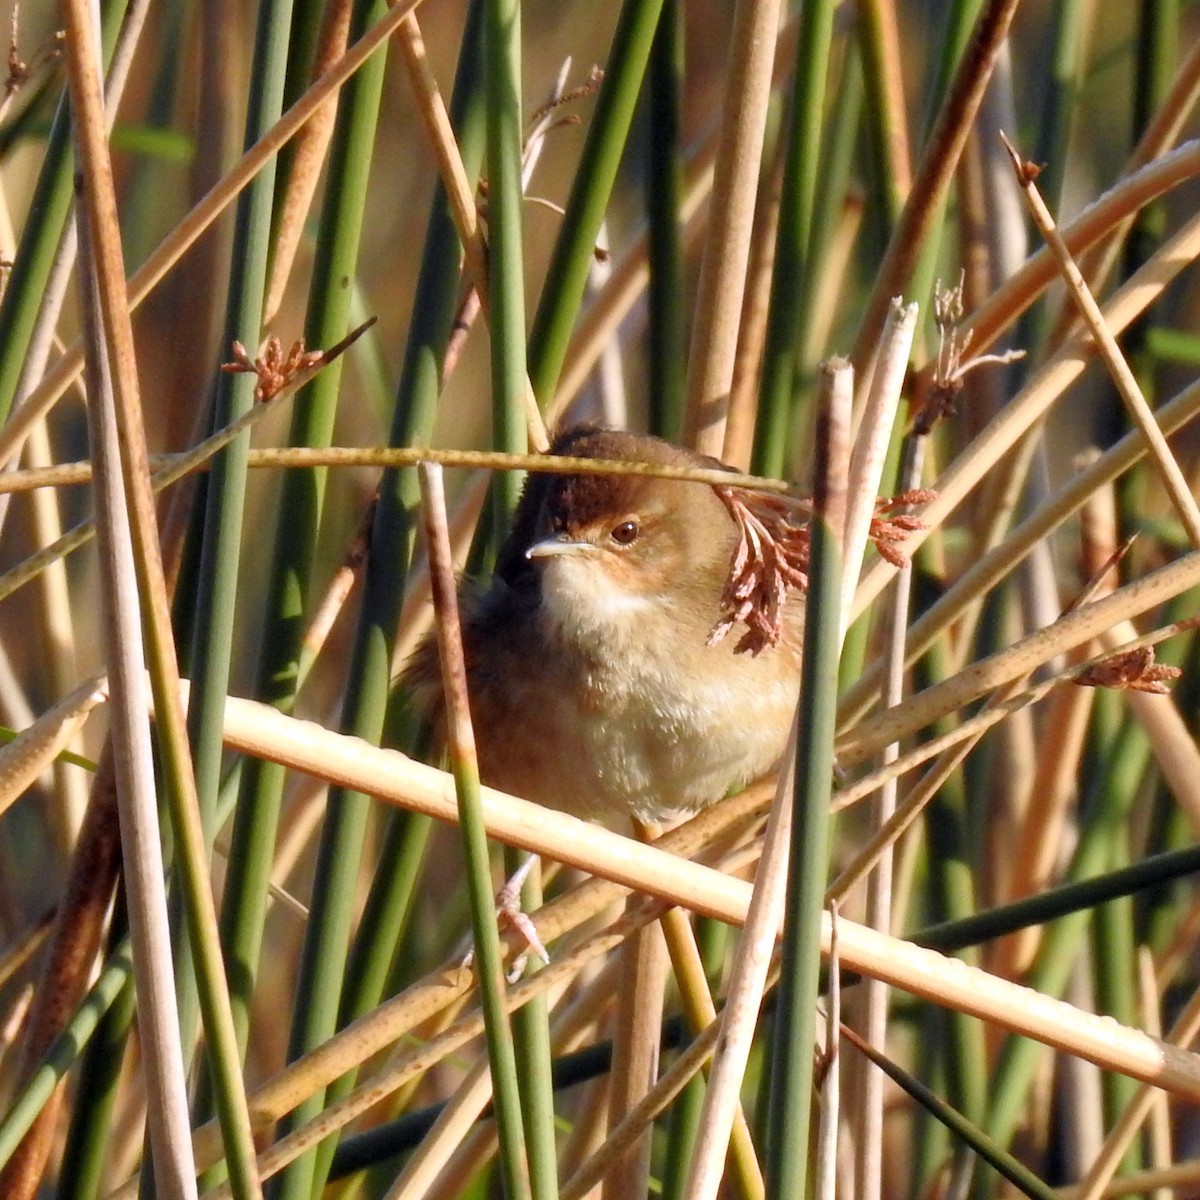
point(598, 678)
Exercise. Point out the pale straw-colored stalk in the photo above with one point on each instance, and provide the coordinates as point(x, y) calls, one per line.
point(871, 1005)
point(35, 747)
point(1182, 1033)
point(1034, 400)
point(308, 747)
point(995, 564)
point(731, 219)
point(1122, 376)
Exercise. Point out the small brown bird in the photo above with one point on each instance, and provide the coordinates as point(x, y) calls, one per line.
point(594, 683)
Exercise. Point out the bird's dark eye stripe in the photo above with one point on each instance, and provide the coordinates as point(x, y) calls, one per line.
point(625, 533)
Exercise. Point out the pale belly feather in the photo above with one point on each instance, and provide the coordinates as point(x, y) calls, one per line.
point(650, 733)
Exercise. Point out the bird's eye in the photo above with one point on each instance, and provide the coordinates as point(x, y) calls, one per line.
point(625, 533)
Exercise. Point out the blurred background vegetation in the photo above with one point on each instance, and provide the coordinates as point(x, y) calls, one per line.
point(329, 902)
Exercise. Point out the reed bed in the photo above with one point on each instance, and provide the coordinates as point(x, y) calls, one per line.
point(293, 296)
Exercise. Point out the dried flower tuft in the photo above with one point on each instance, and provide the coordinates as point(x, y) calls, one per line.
point(19, 71)
point(1130, 671)
point(771, 557)
point(889, 527)
point(560, 99)
point(273, 367)
point(952, 365)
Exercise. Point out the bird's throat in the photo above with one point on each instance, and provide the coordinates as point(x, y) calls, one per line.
point(583, 603)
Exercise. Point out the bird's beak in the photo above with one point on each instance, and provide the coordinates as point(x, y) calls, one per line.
point(559, 544)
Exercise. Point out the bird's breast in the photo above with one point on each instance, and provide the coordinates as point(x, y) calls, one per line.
point(604, 701)
point(667, 726)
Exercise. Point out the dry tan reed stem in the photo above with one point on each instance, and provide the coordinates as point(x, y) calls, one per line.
point(1175, 759)
point(1171, 741)
point(669, 1085)
point(993, 566)
point(1172, 117)
point(458, 1163)
point(1172, 476)
point(115, 408)
point(1106, 218)
point(748, 976)
point(701, 1012)
point(752, 330)
point(1163, 129)
point(257, 729)
point(599, 323)
point(20, 953)
point(873, 434)
point(452, 1126)
point(1179, 949)
point(901, 819)
point(177, 466)
point(1045, 825)
point(935, 171)
point(251, 728)
point(971, 727)
point(328, 608)
point(1181, 1179)
point(1049, 1020)
point(194, 459)
point(413, 1061)
point(464, 1165)
point(57, 630)
point(465, 763)
point(14, 1019)
point(828, 1076)
point(644, 969)
point(1031, 652)
point(1159, 1117)
point(1035, 399)
point(440, 132)
point(312, 142)
point(443, 989)
point(872, 1001)
point(731, 218)
point(33, 749)
point(1041, 836)
point(416, 612)
point(438, 129)
point(471, 1155)
point(589, 1135)
point(1184, 1030)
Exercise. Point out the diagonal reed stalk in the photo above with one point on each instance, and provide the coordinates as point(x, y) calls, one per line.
point(752, 124)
